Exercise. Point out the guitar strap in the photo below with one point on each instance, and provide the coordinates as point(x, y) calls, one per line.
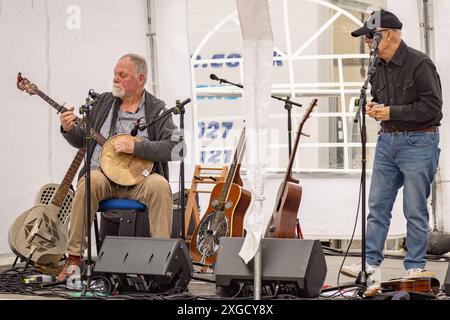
point(115, 115)
point(161, 169)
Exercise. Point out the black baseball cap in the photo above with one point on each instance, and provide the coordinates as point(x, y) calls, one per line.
point(378, 19)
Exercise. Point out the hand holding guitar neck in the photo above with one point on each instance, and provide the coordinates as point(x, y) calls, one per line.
point(68, 119)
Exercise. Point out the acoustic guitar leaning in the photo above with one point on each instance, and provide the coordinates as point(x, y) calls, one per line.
point(224, 217)
point(284, 217)
point(121, 168)
point(40, 233)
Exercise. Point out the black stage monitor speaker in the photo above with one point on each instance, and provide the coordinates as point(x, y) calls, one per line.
point(145, 264)
point(285, 262)
point(447, 281)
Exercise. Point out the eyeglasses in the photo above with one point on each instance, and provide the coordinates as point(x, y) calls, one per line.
point(372, 32)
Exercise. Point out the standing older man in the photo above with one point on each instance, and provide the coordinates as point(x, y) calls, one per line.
point(113, 114)
point(407, 99)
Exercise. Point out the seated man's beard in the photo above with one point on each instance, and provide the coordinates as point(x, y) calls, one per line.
point(118, 91)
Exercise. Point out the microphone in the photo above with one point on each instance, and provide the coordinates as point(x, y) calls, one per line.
point(94, 95)
point(179, 106)
point(183, 103)
point(375, 42)
point(134, 131)
point(212, 76)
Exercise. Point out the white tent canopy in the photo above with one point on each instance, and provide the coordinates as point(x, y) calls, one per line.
point(68, 47)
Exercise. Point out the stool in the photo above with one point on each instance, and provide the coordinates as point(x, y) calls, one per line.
point(122, 217)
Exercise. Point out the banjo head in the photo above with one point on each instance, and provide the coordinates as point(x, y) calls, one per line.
point(122, 168)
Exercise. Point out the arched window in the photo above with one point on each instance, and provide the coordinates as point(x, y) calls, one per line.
point(314, 56)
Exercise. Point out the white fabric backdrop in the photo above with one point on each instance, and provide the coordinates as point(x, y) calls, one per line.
point(442, 40)
point(41, 40)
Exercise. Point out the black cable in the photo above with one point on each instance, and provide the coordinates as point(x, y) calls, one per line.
point(339, 292)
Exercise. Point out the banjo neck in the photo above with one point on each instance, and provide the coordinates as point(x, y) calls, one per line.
point(126, 169)
point(78, 121)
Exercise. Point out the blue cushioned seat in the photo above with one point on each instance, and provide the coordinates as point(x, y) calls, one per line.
point(121, 204)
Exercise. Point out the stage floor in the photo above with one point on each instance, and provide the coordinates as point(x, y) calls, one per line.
point(391, 268)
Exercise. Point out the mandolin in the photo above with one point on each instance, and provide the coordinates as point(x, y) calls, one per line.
point(224, 217)
point(419, 284)
point(423, 285)
point(284, 217)
point(121, 168)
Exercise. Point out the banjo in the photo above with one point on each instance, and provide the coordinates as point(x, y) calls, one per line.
point(121, 168)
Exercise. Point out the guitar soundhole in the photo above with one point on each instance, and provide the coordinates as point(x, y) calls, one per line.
point(210, 231)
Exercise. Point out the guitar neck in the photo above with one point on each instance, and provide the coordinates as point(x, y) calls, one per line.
point(61, 193)
point(237, 159)
point(288, 175)
point(78, 121)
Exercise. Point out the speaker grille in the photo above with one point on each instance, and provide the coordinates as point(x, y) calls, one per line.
point(294, 263)
point(145, 264)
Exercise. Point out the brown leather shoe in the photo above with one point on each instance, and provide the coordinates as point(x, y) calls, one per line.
point(73, 265)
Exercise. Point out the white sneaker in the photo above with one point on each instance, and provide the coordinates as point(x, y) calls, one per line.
point(354, 269)
point(418, 273)
point(374, 277)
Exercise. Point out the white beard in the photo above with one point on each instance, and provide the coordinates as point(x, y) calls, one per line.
point(118, 92)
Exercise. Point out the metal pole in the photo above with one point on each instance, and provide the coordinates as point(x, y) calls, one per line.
point(427, 39)
point(426, 25)
point(258, 273)
point(152, 48)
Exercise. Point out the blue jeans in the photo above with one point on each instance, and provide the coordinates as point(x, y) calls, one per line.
point(407, 159)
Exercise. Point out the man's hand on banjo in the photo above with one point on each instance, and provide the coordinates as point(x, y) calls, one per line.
point(124, 145)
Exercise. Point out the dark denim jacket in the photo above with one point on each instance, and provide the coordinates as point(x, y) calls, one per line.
point(410, 85)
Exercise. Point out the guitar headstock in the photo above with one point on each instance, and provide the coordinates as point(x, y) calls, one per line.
point(307, 115)
point(310, 109)
point(25, 85)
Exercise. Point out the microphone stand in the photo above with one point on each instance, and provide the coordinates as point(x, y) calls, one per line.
point(86, 110)
point(361, 116)
point(288, 107)
point(179, 109)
